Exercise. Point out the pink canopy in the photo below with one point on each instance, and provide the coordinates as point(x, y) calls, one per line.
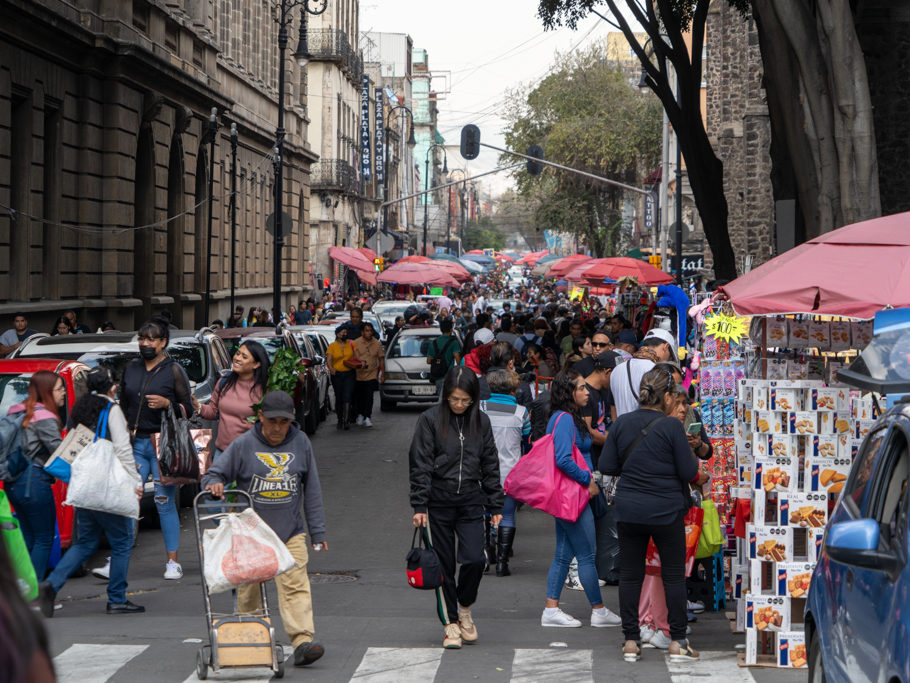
point(532, 258)
point(559, 268)
point(855, 271)
point(369, 253)
point(352, 258)
point(456, 270)
point(417, 274)
point(415, 258)
point(618, 267)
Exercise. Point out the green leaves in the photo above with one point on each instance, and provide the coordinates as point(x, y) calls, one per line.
point(283, 374)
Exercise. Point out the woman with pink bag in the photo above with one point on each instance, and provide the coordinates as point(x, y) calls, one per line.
point(568, 394)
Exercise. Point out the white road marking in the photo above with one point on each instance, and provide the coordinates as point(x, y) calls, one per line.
point(83, 662)
point(711, 665)
point(553, 666)
point(398, 665)
point(257, 675)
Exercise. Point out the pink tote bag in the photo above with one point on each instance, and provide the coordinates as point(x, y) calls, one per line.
point(537, 481)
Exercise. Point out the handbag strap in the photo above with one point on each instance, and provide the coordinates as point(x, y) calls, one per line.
point(101, 427)
point(644, 432)
point(629, 373)
point(415, 543)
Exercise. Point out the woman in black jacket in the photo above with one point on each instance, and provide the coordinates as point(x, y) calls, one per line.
point(151, 384)
point(454, 472)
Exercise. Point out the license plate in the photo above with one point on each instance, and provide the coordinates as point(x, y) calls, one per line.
point(423, 391)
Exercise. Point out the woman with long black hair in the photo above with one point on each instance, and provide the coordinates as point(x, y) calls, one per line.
point(234, 396)
point(568, 394)
point(454, 472)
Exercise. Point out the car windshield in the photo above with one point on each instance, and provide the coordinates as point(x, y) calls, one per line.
point(115, 361)
point(411, 346)
point(13, 390)
point(192, 357)
point(391, 308)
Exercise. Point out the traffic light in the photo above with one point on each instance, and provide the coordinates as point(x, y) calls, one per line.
point(378, 264)
point(470, 141)
point(534, 167)
point(654, 260)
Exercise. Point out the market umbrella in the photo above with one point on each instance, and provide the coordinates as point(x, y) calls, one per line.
point(564, 265)
point(356, 261)
point(480, 258)
point(414, 258)
point(532, 258)
point(417, 274)
point(621, 266)
point(444, 257)
point(472, 267)
point(855, 271)
point(456, 270)
point(476, 251)
point(369, 253)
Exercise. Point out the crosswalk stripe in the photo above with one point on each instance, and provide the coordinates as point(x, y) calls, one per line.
point(555, 665)
point(711, 664)
point(398, 665)
point(96, 663)
point(244, 674)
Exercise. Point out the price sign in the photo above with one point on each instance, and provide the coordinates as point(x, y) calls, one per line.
point(730, 328)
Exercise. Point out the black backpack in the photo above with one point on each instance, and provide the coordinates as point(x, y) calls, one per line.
point(438, 365)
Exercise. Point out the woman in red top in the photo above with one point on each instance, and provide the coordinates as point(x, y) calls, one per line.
point(234, 396)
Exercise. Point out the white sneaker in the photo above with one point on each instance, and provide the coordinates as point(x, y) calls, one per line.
point(652, 638)
point(173, 570)
point(601, 619)
point(572, 582)
point(103, 572)
point(557, 618)
point(360, 420)
point(367, 422)
point(695, 607)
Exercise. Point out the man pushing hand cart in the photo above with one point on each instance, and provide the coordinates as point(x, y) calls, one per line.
point(273, 462)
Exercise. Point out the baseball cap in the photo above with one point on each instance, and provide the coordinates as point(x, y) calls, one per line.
point(627, 337)
point(663, 335)
point(606, 360)
point(277, 404)
point(483, 336)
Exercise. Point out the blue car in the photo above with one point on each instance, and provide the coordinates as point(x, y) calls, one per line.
point(858, 608)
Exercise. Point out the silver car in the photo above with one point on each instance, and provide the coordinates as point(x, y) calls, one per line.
point(407, 373)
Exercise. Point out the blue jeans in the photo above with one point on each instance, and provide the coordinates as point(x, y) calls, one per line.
point(575, 539)
point(165, 496)
point(119, 532)
point(37, 514)
point(508, 512)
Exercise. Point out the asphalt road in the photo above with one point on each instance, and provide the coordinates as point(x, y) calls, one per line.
point(374, 627)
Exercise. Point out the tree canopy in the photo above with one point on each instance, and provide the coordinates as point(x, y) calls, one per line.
point(585, 114)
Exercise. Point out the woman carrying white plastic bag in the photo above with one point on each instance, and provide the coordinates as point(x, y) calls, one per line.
point(105, 489)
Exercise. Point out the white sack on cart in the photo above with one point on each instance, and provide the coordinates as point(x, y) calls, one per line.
point(99, 482)
point(242, 550)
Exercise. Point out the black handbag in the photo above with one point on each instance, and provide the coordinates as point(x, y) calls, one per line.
point(424, 570)
point(178, 462)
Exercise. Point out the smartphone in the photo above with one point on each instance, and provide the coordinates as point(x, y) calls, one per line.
point(694, 429)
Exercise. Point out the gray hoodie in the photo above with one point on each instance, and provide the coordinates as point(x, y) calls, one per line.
point(277, 478)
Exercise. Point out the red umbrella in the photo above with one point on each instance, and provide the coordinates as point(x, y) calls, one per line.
point(577, 272)
point(456, 270)
point(475, 251)
point(855, 271)
point(506, 257)
point(619, 267)
point(564, 265)
point(415, 258)
point(532, 258)
point(352, 258)
point(369, 253)
point(417, 274)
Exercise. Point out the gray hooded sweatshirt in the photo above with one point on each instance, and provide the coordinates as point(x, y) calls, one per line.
point(281, 479)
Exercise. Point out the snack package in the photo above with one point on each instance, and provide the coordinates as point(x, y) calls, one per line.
point(739, 580)
point(798, 334)
point(797, 370)
point(785, 399)
point(770, 543)
point(840, 336)
point(767, 612)
point(860, 334)
point(842, 399)
point(791, 650)
point(861, 407)
point(760, 509)
point(783, 446)
point(777, 369)
point(814, 538)
point(761, 578)
point(777, 332)
point(760, 399)
point(792, 579)
point(800, 509)
point(844, 446)
point(824, 446)
point(863, 427)
point(803, 422)
point(823, 399)
point(820, 335)
point(831, 368)
point(776, 474)
point(844, 422)
point(827, 422)
point(767, 422)
point(827, 475)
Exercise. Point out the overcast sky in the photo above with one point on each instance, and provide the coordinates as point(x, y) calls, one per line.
point(487, 46)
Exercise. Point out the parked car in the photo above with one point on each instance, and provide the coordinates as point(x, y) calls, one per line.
point(407, 373)
point(388, 309)
point(857, 615)
point(497, 304)
point(317, 337)
point(15, 375)
point(306, 396)
point(340, 317)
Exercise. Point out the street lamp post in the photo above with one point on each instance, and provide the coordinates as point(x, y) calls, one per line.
point(426, 197)
point(233, 211)
point(677, 259)
point(213, 131)
point(302, 55)
point(411, 142)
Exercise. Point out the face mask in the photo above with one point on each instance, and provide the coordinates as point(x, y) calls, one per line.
point(148, 352)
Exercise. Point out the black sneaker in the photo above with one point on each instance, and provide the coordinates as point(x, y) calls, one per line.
point(124, 608)
point(307, 653)
point(46, 596)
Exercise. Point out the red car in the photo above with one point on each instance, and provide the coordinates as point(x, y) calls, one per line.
point(15, 374)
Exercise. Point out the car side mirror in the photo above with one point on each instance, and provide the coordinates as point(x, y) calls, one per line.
point(306, 362)
point(318, 360)
point(855, 543)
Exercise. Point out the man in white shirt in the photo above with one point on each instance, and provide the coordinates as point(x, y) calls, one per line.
point(625, 382)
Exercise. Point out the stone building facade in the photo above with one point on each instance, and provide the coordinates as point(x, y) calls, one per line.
point(104, 158)
point(736, 120)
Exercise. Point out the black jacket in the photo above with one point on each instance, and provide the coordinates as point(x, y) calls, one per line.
point(452, 467)
point(168, 379)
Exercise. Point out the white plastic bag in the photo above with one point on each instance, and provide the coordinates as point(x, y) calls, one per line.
point(99, 482)
point(242, 550)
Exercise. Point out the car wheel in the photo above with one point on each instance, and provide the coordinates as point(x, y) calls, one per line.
point(816, 665)
point(386, 405)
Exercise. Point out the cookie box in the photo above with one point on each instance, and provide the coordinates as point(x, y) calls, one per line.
point(785, 399)
point(800, 509)
point(826, 474)
point(823, 399)
point(767, 613)
point(791, 650)
point(770, 543)
point(792, 579)
point(824, 446)
point(803, 422)
point(776, 474)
